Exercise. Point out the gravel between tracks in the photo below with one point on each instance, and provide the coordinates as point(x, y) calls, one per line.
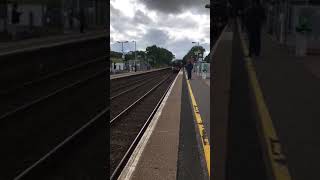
point(125, 81)
point(123, 132)
point(120, 103)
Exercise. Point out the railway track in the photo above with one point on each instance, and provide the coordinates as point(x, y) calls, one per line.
point(32, 91)
point(117, 85)
point(128, 95)
point(35, 127)
point(127, 127)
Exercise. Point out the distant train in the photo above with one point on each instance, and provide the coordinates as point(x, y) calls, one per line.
point(176, 65)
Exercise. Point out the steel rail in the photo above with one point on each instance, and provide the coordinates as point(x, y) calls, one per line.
point(125, 158)
point(53, 94)
point(137, 101)
point(52, 75)
point(62, 144)
point(132, 88)
point(129, 84)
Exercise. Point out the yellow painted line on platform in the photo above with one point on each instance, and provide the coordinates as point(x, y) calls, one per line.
point(278, 161)
point(203, 135)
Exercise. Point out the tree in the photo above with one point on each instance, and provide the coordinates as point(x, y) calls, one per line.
point(207, 58)
point(141, 55)
point(131, 55)
point(192, 52)
point(115, 54)
point(160, 56)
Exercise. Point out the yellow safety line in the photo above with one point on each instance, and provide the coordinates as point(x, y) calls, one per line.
point(278, 160)
point(203, 135)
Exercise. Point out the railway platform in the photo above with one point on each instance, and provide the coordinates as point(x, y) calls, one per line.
point(127, 74)
point(290, 86)
point(201, 91)
point(171, 147)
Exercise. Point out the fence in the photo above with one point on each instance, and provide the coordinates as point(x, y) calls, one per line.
point(202, 69)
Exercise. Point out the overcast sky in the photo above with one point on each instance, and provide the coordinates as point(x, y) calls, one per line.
point(171, 24)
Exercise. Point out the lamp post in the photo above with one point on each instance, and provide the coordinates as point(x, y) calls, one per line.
point(198, 47)
point(122, 49)
point(135, 55)
point(196, 42)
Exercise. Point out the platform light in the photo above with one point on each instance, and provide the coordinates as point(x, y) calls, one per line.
point(121, 42)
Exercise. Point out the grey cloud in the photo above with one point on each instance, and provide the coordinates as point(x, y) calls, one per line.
point(175, 6)
point(119, 22)
point(156, 36)
point(181, 47)
point(176, 22)
point(205, 31)
point(142, 18)
point(200, 9)
point(123, 24)
point(114, 12)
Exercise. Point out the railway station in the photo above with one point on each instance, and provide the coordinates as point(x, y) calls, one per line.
point(239, 115)
point(255, 114)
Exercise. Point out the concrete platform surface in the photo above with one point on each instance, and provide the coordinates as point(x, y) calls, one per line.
point(191, 161)
point(291, 87)
point(201, 91)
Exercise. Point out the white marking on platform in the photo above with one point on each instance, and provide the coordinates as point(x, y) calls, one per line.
point(135, 157)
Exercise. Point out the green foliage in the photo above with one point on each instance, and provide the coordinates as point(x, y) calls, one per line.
point(115, 57)
point(141, 55)
point(192, 52)
point(114, 54)
point(207, 58)
point(160, 56)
